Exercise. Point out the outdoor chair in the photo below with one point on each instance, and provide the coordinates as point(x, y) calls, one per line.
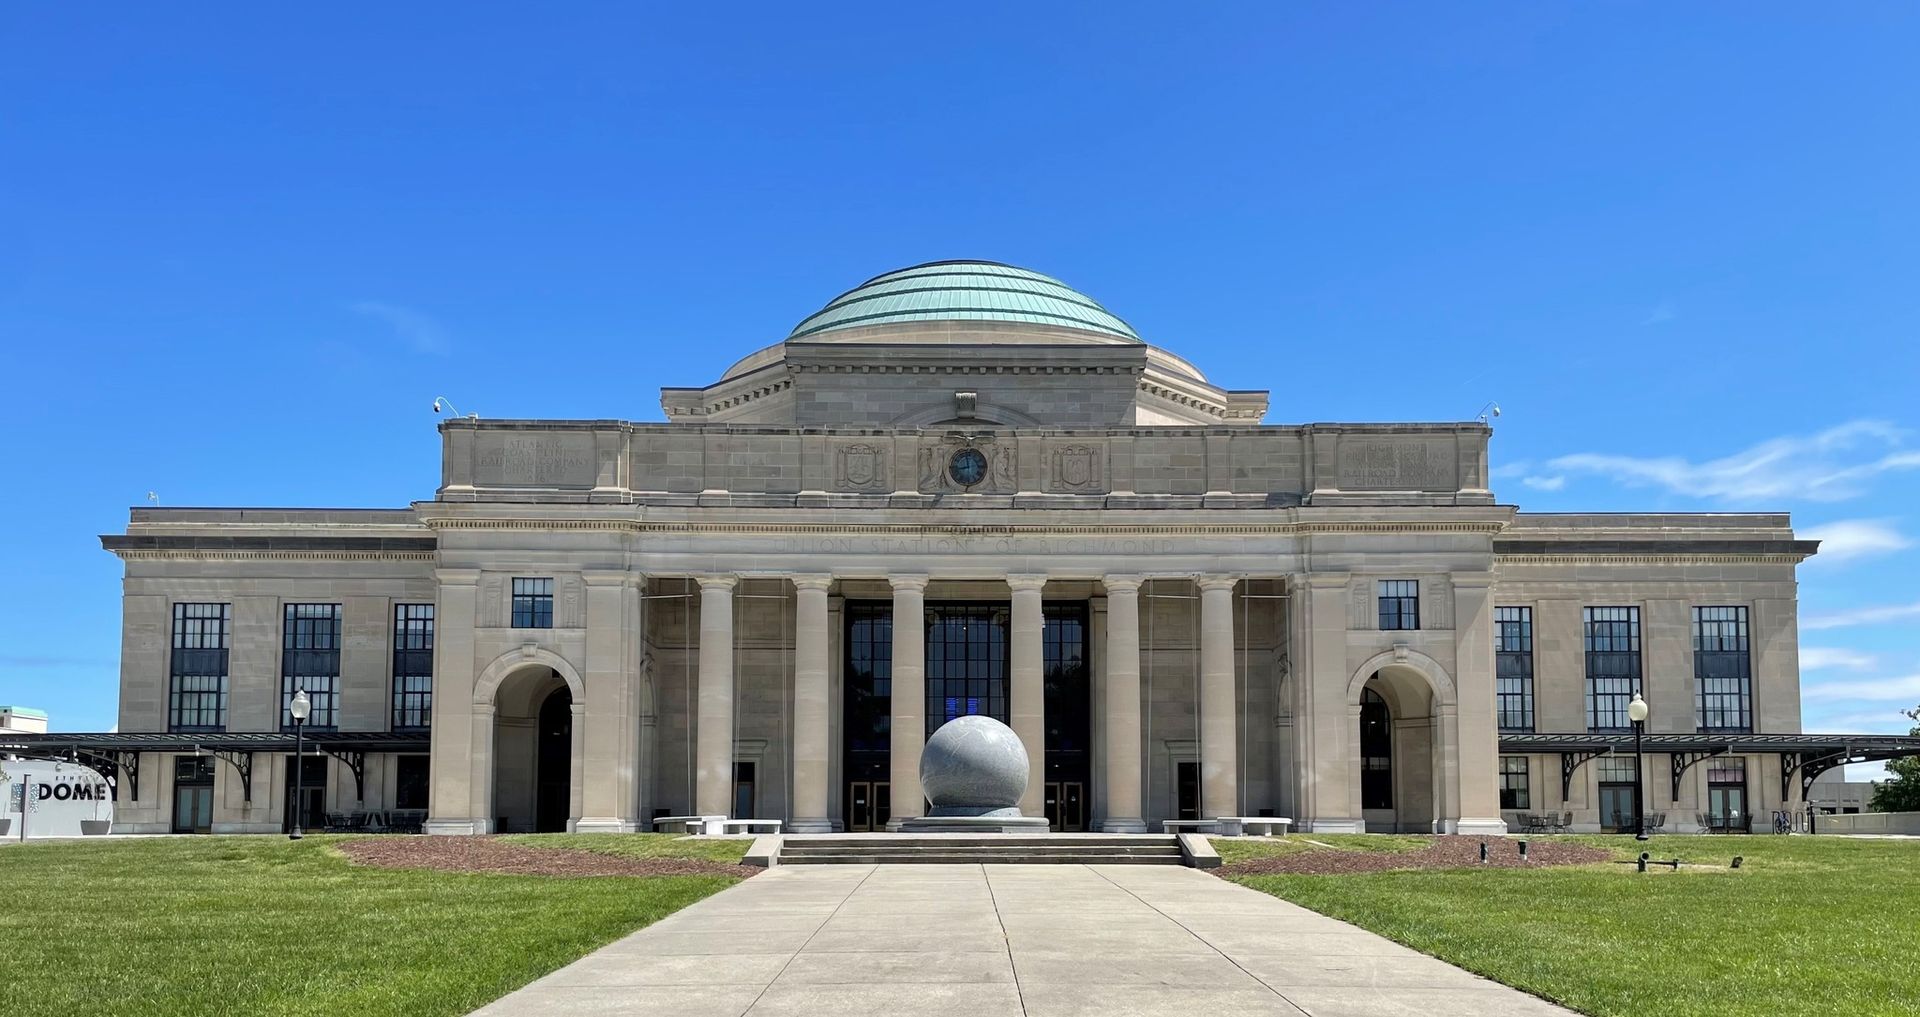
point(336, 822)
point(1566, 823)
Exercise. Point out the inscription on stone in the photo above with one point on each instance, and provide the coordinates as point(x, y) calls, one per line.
point(1408, 465)
point(536, 460)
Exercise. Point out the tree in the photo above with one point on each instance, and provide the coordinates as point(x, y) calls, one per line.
point(1902, 793)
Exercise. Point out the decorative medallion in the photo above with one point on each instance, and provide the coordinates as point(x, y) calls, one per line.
point(967, 467)
point(862, 467)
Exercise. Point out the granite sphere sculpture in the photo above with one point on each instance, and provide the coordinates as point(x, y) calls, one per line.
point(974, 766)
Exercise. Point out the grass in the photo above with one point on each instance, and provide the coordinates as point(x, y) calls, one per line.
point(262, 925)
point(1808, 926)
point(641, 845)
point(1241, 849)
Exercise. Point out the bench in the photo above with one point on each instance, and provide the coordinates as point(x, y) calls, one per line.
point(750, 825)
point(694, 824)
point(1264, 824)
point(1195, 825)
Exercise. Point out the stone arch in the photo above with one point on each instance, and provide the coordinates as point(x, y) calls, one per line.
point(487, 686)
point(1421, 698)
point(1404, 663)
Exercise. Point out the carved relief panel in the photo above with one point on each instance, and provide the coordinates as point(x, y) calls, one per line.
point(861, 466)
point(1077, 469)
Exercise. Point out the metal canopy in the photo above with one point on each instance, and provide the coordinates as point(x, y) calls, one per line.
point(1808, 755)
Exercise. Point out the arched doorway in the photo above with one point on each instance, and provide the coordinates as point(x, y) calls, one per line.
point(1397, 742)
point(532, 752)
point(553, 766)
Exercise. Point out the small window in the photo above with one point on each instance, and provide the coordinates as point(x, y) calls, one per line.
point(1399, 604)
point(532, 604)
point(1616, 769)
point(1513, 782)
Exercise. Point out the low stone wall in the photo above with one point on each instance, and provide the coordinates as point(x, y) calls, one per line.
point(1871, 822)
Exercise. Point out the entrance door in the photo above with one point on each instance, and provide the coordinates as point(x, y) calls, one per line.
point(1066, 806)
point(1186, 788)
point(869, 806)
point(554, 772)
point(1616, 807)
point(193, 794)
point(311, 804)
point(743, 797)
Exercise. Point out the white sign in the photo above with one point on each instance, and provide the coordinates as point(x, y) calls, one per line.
point(50, 798)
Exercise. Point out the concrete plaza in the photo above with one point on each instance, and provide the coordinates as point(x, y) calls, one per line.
point(991, 940)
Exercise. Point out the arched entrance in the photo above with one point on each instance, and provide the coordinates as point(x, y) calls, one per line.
point(1398, 758)
point(532, 752)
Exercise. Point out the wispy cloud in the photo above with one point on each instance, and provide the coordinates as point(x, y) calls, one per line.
point(1661, 313)
point(1847, 539)
point(1504, 470)
point(1833, 465)
point(1904, 689)
point(1860, 616)
point(1553, 483)
point(421, 332)
point(1827, 658)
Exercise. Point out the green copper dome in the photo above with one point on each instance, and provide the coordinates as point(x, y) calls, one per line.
point(963, 291)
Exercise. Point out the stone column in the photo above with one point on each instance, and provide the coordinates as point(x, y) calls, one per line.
point(577, 767)
point(1122, 722)
point(1219, 749)
point(613, 773)
point(1027, 676)
point(909, 729)
point(1472, 735)
point(480, 777)
point(713, 769)
point(812, 705)
point(451, 794)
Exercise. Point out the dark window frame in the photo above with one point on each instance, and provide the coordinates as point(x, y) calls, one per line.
point(1722, 670)
point(1399, 602)
point(1513, 667)
point(1376, 751)
point(412, 667)
point(1614, 668)
point(198, 662)
point(1515, 789)
point(310, 642)
point(968, 661)
point(532, 602)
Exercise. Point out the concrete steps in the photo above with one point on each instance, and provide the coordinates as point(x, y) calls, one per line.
point(970, 849)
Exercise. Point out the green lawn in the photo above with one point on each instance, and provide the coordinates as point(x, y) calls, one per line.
point(1808, 926)
point(262, 925)
point(641, 845)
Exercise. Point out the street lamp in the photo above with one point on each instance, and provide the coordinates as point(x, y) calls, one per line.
point(300, 708)
point(1637, 712)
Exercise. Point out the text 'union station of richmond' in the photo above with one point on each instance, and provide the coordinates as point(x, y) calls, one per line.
point(958, 488)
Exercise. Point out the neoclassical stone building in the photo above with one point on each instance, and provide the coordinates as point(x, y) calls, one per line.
point(958, 488)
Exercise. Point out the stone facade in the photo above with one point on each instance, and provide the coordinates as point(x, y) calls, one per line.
point(704, 575)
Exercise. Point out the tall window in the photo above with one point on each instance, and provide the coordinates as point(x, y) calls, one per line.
point(966, 662)
point(1727, 793)
point(1722, 670)
point(310, 661)
point(412, 666)
point(1376, 752)
point(1613, 665)
point(1399, 604)
point(532, 604)
point(1513, 667)
point(1513, 782)
point(197, 686)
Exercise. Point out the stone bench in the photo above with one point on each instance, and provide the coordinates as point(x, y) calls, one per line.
point(694, 824)
point(1194, 825)
point(750, 825)
point(1264, 824)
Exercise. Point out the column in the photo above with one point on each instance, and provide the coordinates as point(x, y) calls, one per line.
point(1122, 721)
point(1027, 677)
point(480, 777)
point(909, 695)
point(613, 773)
point(1472, 736)
point(452, 794)
point(713, 769)
point(812, 703)
point(1219, 749)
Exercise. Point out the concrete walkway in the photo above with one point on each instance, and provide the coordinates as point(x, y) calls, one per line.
point(992, 940)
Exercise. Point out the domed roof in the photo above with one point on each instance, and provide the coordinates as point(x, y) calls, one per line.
point(964, 291)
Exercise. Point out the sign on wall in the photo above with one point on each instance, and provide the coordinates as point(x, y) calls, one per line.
point(51, 798)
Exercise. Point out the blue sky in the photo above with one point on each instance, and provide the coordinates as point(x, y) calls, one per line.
point(245, 247)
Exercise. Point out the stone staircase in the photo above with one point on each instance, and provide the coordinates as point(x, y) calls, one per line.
point(976, 849)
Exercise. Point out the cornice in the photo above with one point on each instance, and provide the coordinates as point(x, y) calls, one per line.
point(1281, 529)
point(204, 555)
point(1648, 559)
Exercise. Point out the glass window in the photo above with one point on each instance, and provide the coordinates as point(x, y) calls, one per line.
point(1616, 769)
point(1063, 639)
point(966, 662)
point(1513, 782)
point(1513, 667)
point(310, 662)
point(197, 679)
point(1722, 670)
point(532, 604)
point(1727, 794)
point(412, 666)
point(1613, 665)
point(867, 712)
point(1376, 752)
point(1399, 604)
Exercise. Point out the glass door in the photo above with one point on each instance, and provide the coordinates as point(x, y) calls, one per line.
point(193, 794)
point(1616, 808)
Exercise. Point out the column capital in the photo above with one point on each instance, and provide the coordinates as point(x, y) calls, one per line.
point(1217, 582)
point(811, 580)
point(717, 581)
point(457, 577)
point(1026, 581)
point(908, 582)
point(611, 577)
point(1321, 580)
point(1123, 583)
point(1471, 580)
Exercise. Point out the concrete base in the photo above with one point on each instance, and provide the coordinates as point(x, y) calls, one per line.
point(606, 826)
point(1335, 826)
point(811, 826)
point(457, 827)
point(975, 824)
point(1123, 825)
point(1480, 827)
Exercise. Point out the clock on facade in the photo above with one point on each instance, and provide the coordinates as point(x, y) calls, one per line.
point(967, 467)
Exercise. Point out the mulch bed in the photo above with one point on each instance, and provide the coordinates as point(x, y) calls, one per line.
point(486, 854)
point(1444, 853)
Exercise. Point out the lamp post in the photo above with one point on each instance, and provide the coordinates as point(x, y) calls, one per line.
point(300, 708)
point(1637, 712)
